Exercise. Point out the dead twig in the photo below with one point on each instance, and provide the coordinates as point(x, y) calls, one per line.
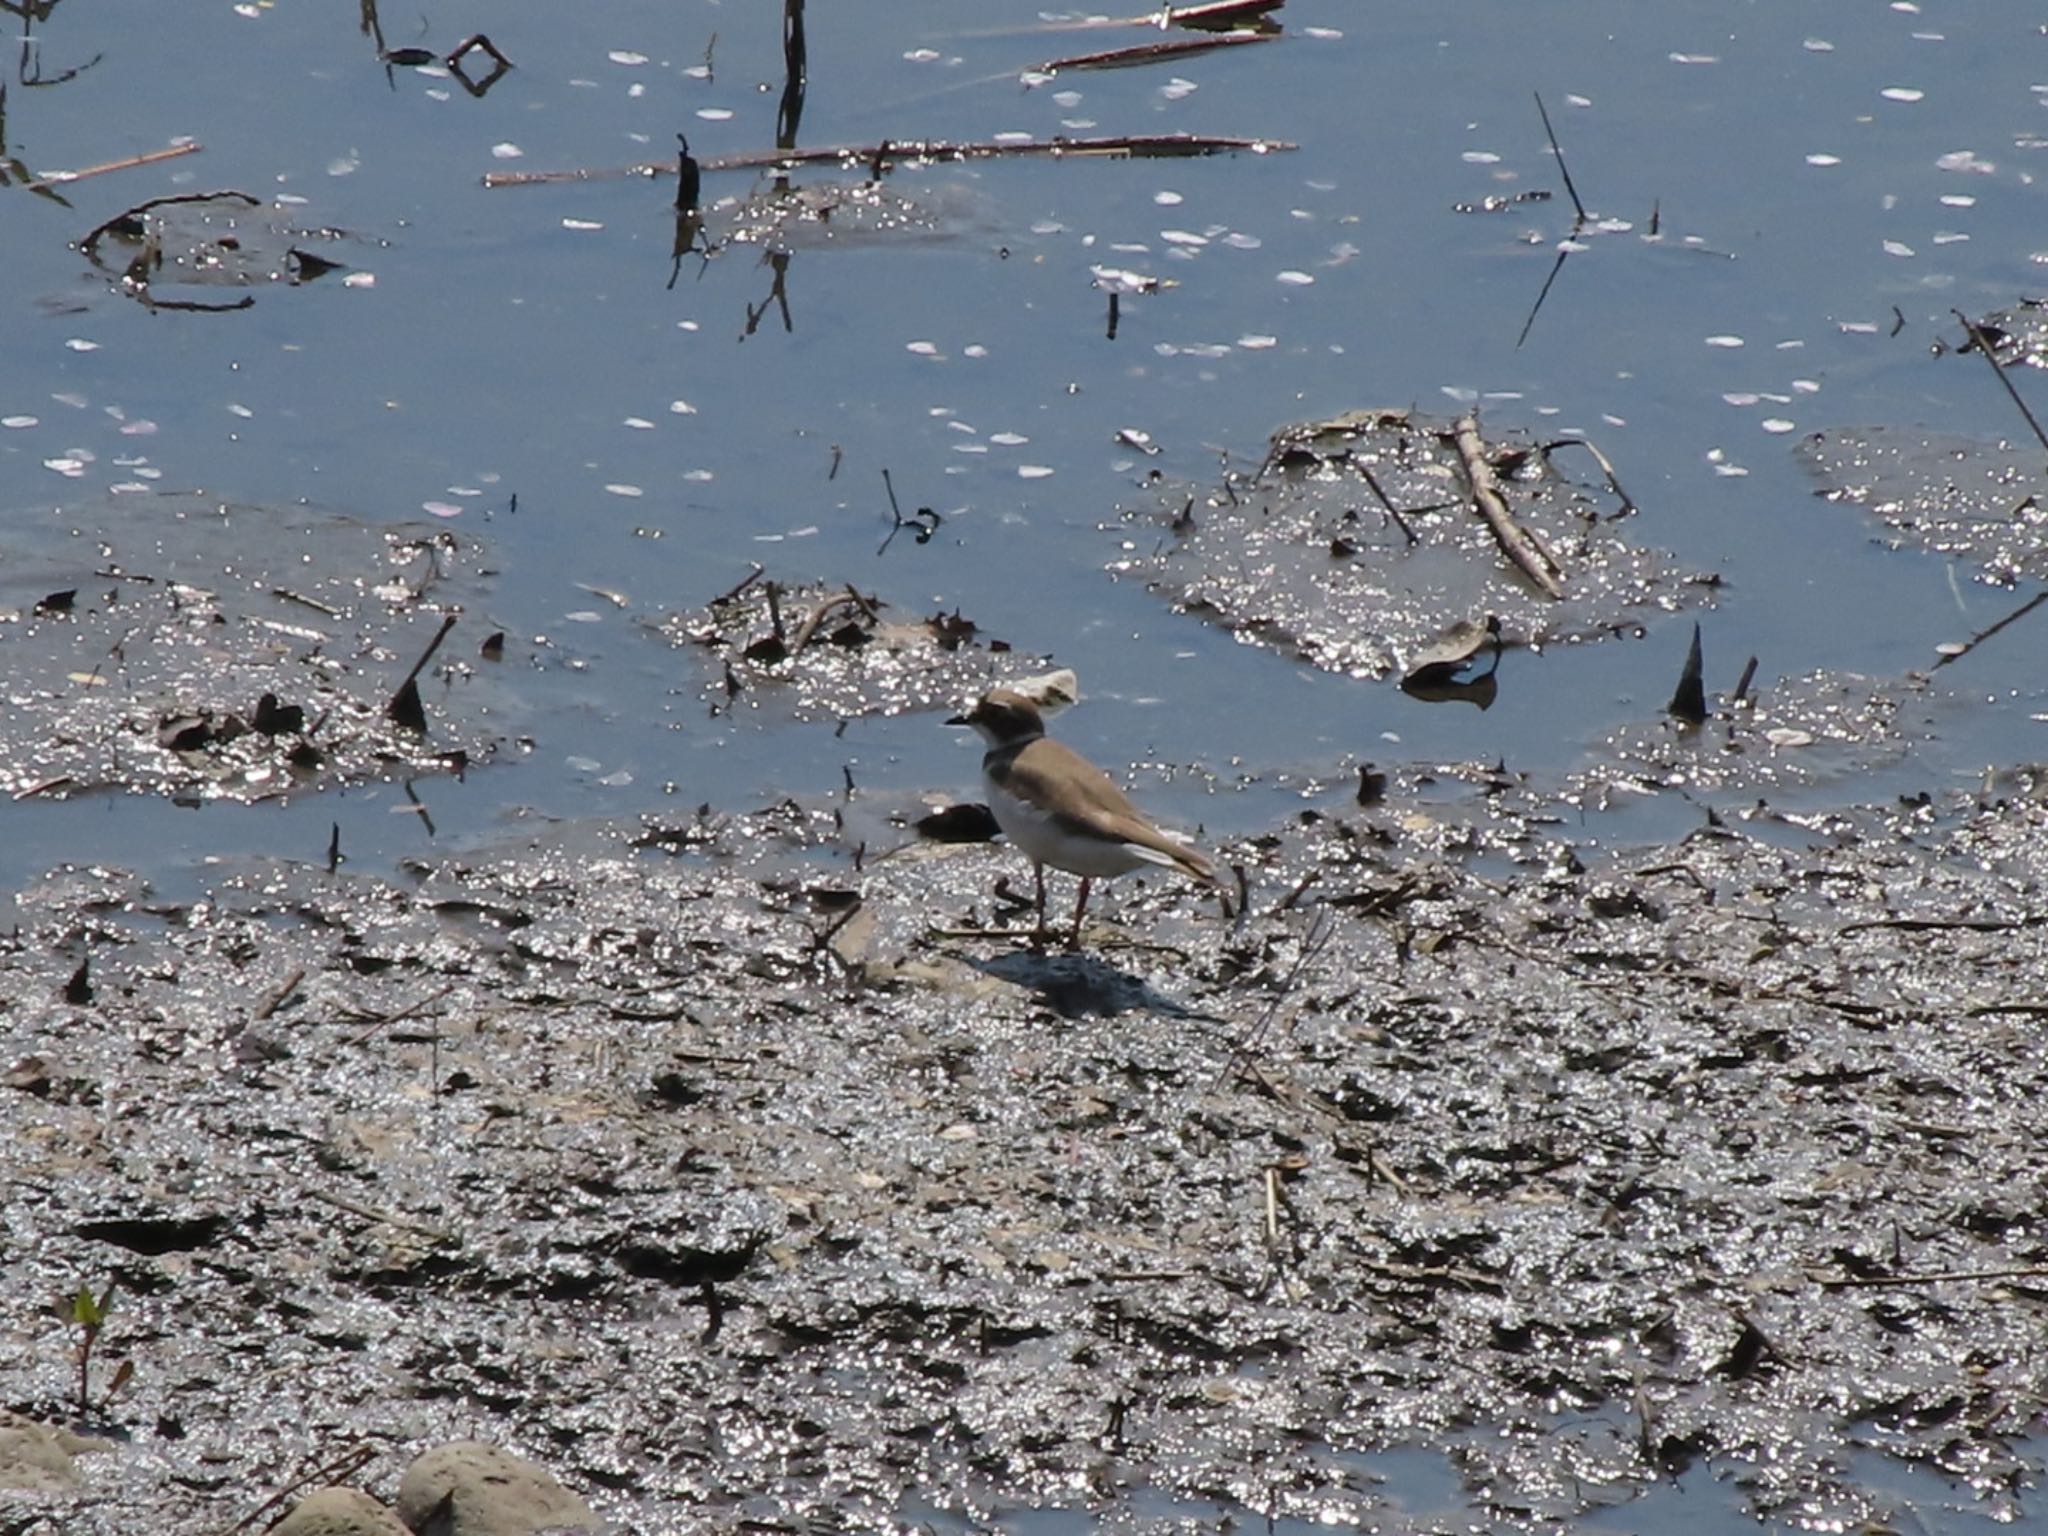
point(817, 616)
point(923, 523)
point(1628, 504)
point(278, 994)
point(106, 167)
point(1742, 687)
point(1932, 1277)
point(135, 214)
point(738, 587)
point(338, 1469)
point(1386, 506)
point(382, 1020)
point(404, 705)
point(1320, 932)
point(1945, 924)
point(907, 151)
point(476, 42)
point(1519, 544)
point(371, 1213)
point(1153, 53)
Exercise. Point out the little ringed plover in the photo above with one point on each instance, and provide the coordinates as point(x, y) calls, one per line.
point(1061, 809)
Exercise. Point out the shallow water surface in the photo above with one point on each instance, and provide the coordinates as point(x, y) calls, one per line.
point(1786, 202)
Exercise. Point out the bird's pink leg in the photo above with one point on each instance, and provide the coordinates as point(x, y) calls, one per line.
point(1074, 939)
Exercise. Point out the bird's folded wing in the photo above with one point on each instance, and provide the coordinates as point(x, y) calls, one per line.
point(1146, 842)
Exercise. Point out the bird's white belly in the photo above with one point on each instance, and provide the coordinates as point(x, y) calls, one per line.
point(1045, 840)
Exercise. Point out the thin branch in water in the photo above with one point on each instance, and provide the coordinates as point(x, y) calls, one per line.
point(740, 586)
point(1562, 169)
point(1959, 652)
point(1742, 686)
point(1984, 345)
point(689, 179)
point(1564, 249)
point(922, 523)
point(795, 74)
point(1628, 505)
point(1385, 505)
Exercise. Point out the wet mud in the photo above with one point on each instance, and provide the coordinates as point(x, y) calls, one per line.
point(1355, 546)
point(181, 252)
point(746, 1168)
point(749, 1185)
point(1973, 499)
point(192, 647)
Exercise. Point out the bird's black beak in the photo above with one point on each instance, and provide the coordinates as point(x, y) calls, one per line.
point(959, 720)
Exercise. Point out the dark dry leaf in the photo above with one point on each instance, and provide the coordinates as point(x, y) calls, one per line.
point(57, 602)
point(78, 990)
point(405, 708)
point(1445, 656)
point(275, 719)
point(1689, 703)
point(1751, 1350)
point(306, 266)
point(952, 630)
point(184, 733)
point(493, 648)
point(959, 824)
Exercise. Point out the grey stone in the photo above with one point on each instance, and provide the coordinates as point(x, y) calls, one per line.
point(37, 1458)
point(339, 1512)
point(470, 1488)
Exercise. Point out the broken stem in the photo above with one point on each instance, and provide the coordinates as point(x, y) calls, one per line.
point(1519, 544)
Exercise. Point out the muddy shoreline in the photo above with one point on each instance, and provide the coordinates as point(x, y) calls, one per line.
point(627, 1148)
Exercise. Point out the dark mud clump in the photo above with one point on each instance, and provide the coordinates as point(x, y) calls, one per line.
point(182, 252)
point(1356, 544)
point(189, 647)
point(777, 652)
point(740, 1175)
